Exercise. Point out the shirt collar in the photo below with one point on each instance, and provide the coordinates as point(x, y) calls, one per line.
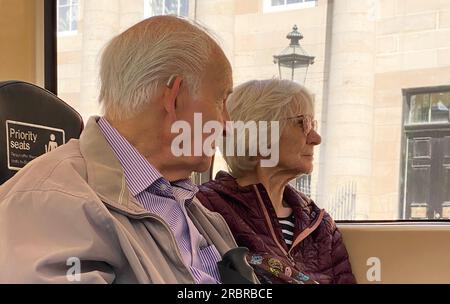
point(139, 173)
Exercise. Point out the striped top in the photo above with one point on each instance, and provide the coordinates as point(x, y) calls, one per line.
point(168, 201)
point(287, 227)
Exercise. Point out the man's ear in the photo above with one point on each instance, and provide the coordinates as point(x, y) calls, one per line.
point(170, 96)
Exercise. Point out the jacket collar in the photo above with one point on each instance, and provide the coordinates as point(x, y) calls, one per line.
point(226, 182)
point(303, 207)
point(105, 174)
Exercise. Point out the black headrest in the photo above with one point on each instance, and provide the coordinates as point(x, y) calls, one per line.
point(33, 121)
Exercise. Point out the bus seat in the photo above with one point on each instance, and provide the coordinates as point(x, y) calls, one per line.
point(33, 121)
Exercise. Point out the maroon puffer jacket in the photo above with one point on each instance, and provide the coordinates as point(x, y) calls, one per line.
point(317, 250)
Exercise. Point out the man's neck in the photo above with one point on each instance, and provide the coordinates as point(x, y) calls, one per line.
point(146, 138)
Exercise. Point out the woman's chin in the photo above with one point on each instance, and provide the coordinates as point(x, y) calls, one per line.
point(306, 170)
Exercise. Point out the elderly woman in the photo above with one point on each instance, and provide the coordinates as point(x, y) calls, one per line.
point(290, 239)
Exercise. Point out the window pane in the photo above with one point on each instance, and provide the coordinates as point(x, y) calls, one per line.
point(278, 2)
point(440, 104)
point(155, 7)
point(168, 7)
point(171, 7)
point(73, 25)
point(358, 99)
point(74, 18)
point(64, 19)
point(420, 108)
point(184, 8)
point(68, 15)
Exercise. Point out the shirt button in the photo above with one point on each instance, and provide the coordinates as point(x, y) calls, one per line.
point(163, 187)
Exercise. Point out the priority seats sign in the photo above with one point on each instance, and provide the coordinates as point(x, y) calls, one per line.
point(27, 141)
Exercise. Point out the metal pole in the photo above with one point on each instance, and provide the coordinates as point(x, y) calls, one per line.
point(50, 46)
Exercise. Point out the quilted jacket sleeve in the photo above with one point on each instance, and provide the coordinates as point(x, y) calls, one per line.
point(341, 265)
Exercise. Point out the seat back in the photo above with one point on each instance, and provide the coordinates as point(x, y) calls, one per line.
point(33, 121)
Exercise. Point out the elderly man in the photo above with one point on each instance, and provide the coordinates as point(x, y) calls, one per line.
point(117, 206)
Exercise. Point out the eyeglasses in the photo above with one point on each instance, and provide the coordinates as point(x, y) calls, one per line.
point(306, 122)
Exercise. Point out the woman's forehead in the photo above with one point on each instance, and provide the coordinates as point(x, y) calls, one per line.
point(301, 106)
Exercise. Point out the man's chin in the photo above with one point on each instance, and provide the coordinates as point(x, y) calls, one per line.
point(202, 164)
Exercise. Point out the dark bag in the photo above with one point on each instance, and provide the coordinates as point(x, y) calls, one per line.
point(234, 268)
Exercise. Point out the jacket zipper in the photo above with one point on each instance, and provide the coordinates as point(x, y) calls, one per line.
point(298, 239)
point(272, 231)
point(172, 237)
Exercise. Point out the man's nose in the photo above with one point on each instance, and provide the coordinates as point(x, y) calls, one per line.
point(313, 138)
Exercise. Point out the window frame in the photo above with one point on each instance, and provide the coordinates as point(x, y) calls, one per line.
point(50, 36)
point(50, 46)
point(269, 8)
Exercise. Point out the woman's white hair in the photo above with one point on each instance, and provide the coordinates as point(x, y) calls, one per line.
point(264, 100)
point(137, 62)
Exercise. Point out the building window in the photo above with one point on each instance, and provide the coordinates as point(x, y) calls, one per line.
point(166, 7)
point(429, 108)
point(68, 16)
point(426, 170)
point(285, 5)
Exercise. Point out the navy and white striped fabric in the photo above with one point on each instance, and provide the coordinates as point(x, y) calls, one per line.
point(287, 228)
point(168, 201)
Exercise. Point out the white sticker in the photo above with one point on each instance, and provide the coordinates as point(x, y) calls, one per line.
point(27, 141)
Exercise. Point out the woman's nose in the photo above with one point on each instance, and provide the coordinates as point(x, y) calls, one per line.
point(313, 138)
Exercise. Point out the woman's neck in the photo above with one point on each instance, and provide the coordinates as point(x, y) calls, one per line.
point(274, 181)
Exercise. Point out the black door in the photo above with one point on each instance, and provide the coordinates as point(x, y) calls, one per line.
point(427, 175)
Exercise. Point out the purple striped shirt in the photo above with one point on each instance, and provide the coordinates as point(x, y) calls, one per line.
point(168, 201)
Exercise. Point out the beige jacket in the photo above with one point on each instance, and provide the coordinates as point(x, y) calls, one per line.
point(74, 202)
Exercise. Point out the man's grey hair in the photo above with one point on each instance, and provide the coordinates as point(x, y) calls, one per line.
point(136, 63)
point(264, 100)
